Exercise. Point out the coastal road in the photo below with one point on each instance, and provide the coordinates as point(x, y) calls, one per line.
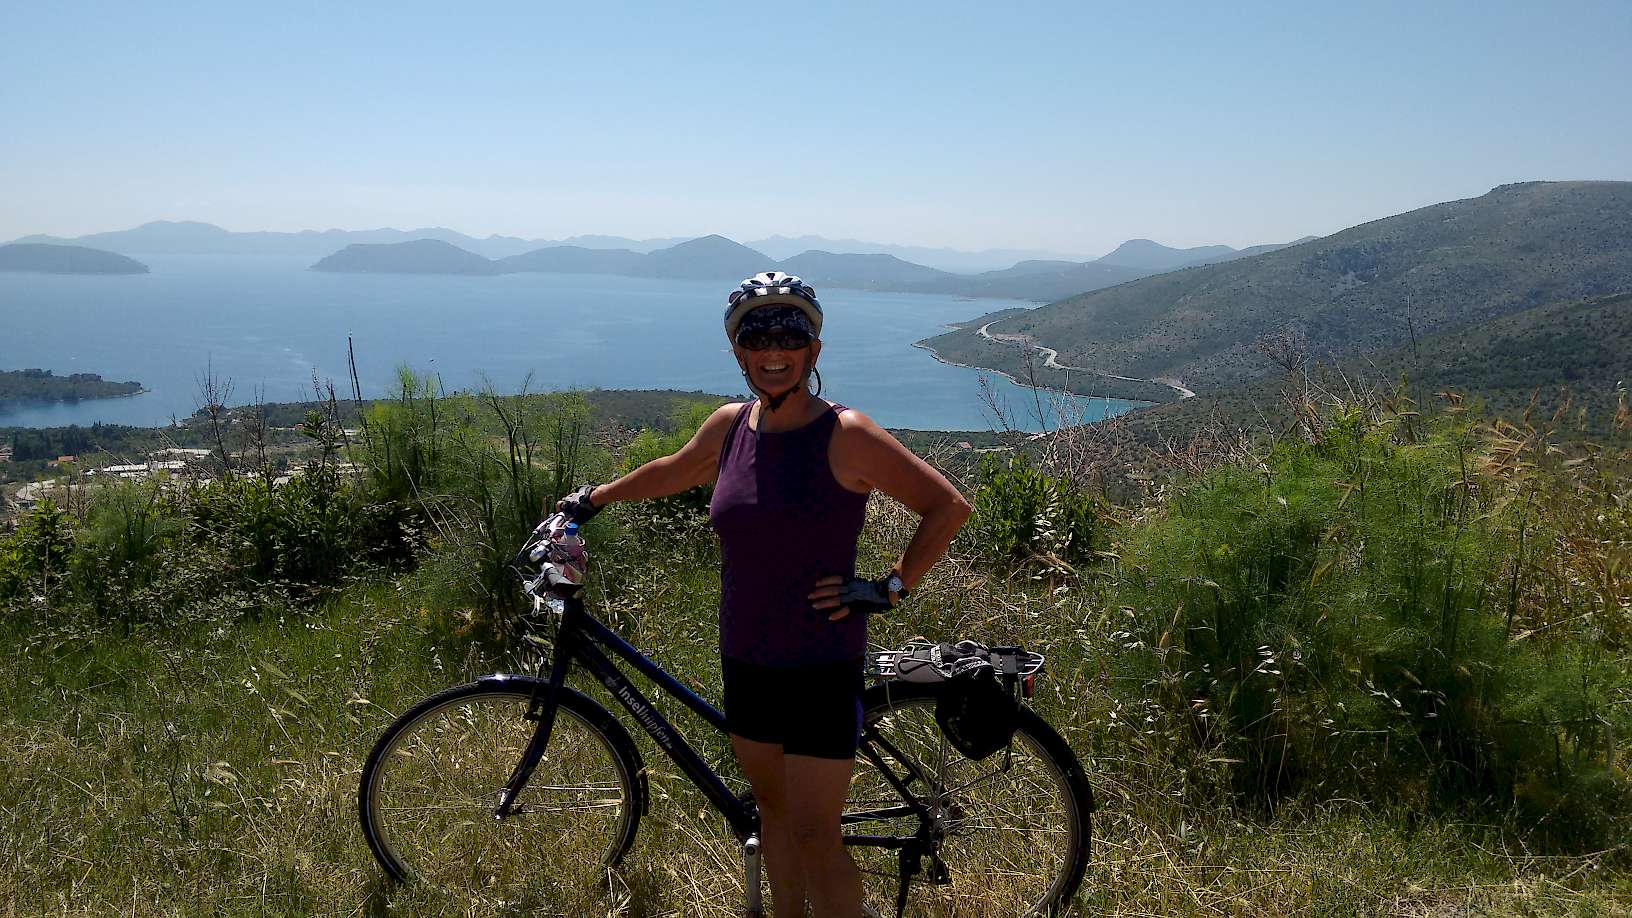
point(1050, 360)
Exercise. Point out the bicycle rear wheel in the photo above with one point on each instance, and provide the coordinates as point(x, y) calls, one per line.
point(429, 792)
point(1010, 832)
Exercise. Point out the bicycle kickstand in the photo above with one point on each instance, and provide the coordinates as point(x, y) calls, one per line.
point(750, 876)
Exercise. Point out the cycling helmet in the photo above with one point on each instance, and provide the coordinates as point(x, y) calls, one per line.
point(769, 288)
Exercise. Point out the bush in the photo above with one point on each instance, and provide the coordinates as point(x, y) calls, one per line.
point(682, 516)
point(127, 526)
point(1338, 621)
point(476, 473)
point(309, 531)
point(36, 556)
point(1022, 513)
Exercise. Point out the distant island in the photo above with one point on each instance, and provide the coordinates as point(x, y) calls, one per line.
point(168, 237)
point(717, 258)
point(43, 385)
point(46, 258)
point(419, 256)
point(1020, 274)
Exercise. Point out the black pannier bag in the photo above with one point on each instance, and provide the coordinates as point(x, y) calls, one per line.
point(976, 707)
point(977, 713)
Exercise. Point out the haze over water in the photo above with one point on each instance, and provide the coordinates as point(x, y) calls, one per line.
point(267, 322)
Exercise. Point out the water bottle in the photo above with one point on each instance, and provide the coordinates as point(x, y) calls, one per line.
point(569, 557)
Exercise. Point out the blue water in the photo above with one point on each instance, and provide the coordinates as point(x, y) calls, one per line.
point(269, 324)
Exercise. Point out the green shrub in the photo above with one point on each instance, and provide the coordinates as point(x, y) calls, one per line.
point(309, 531)
point(404, 443)
point(126, 527)
point(36, 556)
point(1337, 622)
point(684, 516)
point(1023, 513)
point(476, 472)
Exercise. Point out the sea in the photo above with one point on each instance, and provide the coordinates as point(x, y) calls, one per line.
point(272, 328)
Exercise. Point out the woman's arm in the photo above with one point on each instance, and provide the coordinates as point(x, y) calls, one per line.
point(696, 463)
point(866, 457)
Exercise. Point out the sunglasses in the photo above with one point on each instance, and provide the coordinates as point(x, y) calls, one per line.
point(782, 340)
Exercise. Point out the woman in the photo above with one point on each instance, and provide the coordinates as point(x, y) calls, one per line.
point(791, 475)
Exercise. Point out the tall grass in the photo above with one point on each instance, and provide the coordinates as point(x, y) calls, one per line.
point(1374, 672)
point(214, 769)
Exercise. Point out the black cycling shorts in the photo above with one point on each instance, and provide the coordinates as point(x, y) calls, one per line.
point(812, 710)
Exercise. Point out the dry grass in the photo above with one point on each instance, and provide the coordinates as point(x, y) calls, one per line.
point(213, 770)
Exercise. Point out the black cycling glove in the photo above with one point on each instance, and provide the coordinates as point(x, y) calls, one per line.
point(869, 597)
point(577, 505)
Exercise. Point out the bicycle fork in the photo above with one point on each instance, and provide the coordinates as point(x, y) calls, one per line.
point(541, 708)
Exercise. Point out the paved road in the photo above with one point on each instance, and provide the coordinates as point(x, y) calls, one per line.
point(1050, 360)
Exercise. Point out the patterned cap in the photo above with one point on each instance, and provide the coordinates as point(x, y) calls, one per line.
point(772, 288)
point(764, 318)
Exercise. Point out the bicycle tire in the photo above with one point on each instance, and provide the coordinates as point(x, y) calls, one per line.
point(999, 860)
point(429, 788)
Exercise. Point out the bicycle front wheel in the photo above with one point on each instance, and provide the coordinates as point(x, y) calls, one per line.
point(1006, 835)
point(429, 795)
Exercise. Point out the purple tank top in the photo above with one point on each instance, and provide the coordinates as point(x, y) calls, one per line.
point(784, 522)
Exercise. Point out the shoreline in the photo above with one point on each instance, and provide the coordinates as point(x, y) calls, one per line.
point(1050, 360)
point(1133, 403)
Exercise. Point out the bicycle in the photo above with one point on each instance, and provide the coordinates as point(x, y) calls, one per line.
point(525, 786)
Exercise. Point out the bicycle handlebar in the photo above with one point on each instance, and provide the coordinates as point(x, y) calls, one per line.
point(559, 569)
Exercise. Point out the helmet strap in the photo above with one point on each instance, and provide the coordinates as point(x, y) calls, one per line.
point(774, 402)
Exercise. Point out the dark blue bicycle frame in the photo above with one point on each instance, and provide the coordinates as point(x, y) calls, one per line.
point(580, 638)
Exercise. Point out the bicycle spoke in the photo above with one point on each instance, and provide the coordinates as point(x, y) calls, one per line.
point(1006, 821)
point(436, 794)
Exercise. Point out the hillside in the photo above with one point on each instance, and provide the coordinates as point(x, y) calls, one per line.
point(955, 261)
point(866, 272)
point(708, 258)
point(420, 256)
point(1039, 281)
point(1149, 256)
point(1568, 354)
point(65, 259)
point(571, 259)
point(1369, 287)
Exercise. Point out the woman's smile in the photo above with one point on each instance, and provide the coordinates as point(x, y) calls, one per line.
point(775, 369)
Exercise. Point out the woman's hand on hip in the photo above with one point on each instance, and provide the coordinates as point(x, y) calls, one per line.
point(850, 594)
point(825, 597)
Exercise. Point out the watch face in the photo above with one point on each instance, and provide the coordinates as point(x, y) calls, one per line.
point(895, 583)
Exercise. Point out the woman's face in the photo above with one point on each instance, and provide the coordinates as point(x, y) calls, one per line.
point(774, 369)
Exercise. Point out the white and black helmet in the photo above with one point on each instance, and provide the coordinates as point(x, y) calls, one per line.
point(770, 288)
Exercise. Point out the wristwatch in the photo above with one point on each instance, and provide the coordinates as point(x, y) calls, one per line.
point(893, 584)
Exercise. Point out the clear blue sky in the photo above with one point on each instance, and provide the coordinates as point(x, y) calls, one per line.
point(1066, 126)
